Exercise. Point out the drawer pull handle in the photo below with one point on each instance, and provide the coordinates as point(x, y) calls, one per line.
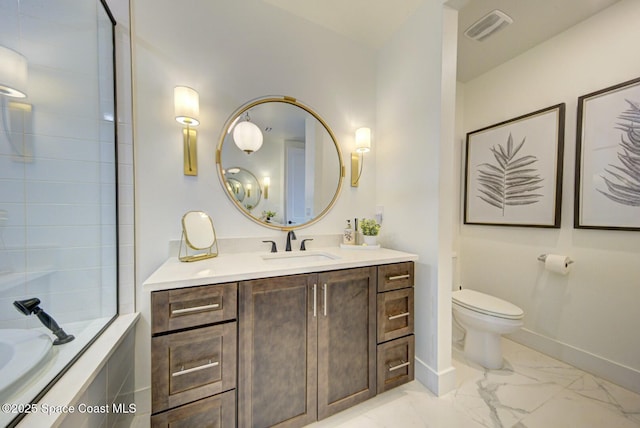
point(194, 369)
point(195, 309)
point(315, 301)
point(395, 317)
point(399, 366)
point(397, 277)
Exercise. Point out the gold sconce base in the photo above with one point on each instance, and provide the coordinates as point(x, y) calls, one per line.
point(355, 169)
point(190, 137)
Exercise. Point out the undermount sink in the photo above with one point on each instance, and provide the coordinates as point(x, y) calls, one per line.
point(298, 258)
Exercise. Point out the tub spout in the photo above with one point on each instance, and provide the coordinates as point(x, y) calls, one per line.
point(30, 306)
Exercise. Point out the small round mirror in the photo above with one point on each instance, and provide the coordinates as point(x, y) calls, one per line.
point(291, 174)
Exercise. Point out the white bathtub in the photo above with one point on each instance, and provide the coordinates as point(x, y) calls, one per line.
point(22, 352)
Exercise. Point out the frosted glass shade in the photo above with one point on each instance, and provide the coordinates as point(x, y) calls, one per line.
point(363, 140)
point(13, 73)
point(187, 105)
point(247, 136)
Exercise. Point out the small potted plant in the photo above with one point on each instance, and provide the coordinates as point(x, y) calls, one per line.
point(370, 229)
point(267, 215)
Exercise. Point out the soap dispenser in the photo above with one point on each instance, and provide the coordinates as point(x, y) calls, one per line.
point(349, 237)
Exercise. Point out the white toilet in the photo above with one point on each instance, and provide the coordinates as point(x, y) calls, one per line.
point(485, 319)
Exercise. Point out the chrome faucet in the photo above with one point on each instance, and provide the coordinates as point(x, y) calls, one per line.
point(291, 235)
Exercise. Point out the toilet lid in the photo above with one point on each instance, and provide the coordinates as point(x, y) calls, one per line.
point(487, 304)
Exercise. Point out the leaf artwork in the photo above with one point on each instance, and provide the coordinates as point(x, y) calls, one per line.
point(512, 180)
point(623, 185)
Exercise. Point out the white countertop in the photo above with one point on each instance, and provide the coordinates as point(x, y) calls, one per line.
point(244, 266)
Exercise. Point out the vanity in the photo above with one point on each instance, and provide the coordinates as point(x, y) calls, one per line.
point(254, 338)
point(264, 339)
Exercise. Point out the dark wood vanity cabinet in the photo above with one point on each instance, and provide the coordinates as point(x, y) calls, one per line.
point(283, 351)
point(307, 346)
point(194, 356)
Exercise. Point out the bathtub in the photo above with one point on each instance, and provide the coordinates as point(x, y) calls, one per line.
point(22, 352)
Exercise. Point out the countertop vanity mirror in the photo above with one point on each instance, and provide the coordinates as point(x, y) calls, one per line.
point(280, 163)
point(197, 234)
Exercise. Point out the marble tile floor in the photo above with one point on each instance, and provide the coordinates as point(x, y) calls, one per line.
point(532, 390)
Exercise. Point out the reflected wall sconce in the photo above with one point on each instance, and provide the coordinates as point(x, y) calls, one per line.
point(363, 145)
point(13, 73)
point(266, 182)
point(187, 110)
point(247, 135)
point(248, 187)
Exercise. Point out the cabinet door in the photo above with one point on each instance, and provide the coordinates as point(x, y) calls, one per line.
point(277, 352)
point(346, 339)
point(218, 411)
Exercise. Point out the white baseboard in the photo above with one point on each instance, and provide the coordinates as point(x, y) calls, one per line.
point(437, 382)
point(617, 373)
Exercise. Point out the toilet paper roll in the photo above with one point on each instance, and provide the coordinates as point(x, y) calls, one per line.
point(557, 263)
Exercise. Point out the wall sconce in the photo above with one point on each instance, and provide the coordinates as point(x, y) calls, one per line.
point(363, 145)
point(266, 182)
point(248, 187)
point(13, 73)
point(187, 110)
point(247, 135)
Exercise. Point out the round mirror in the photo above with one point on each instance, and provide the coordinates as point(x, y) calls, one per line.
point(243, 186)
point(283, 168)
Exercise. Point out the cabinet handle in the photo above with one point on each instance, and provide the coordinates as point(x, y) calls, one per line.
point(315, 301)
point(399, 366)
point(194, 369)
point(195, 309)
point(395, 317)
point(324, 304)
point(397, 277)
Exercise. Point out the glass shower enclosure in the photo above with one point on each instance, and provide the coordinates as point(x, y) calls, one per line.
point(58, 210)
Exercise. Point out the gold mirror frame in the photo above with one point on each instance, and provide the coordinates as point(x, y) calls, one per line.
point(285, 100)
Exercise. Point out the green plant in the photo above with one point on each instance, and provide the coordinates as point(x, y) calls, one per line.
point(369, 227)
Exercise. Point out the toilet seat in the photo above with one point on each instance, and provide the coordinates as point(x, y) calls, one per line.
point(486, 304)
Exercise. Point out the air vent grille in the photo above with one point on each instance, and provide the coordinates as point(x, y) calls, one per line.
point(488, 25)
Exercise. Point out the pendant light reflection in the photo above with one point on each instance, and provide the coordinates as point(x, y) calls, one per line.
point(247, 135)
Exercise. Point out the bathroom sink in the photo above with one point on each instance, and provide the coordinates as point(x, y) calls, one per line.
point(21, 351)
point(298, 258)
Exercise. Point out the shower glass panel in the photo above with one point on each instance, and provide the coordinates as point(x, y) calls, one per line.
point(58, 211)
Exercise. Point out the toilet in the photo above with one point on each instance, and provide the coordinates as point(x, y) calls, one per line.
point(485, 319)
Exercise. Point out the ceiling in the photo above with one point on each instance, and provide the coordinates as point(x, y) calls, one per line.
point(373, 22)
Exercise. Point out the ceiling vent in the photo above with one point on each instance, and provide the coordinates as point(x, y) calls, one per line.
point(489, 24)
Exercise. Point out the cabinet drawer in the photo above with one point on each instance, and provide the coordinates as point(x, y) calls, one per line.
point(191, 365)
point(396, 360)
point(395, 314)
point(218, 411)
point(395, 276)
point(194, 306)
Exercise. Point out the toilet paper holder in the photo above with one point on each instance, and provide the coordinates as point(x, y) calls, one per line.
point(543, 258)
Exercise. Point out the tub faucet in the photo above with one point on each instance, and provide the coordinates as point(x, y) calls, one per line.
point(30, 306)
point(291, 235)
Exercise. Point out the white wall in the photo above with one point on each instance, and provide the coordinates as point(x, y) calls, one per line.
point(589, 317)
point(415, 101)
point(232, 52)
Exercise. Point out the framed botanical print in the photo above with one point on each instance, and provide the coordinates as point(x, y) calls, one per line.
point(513, 171)
point(607, 182)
